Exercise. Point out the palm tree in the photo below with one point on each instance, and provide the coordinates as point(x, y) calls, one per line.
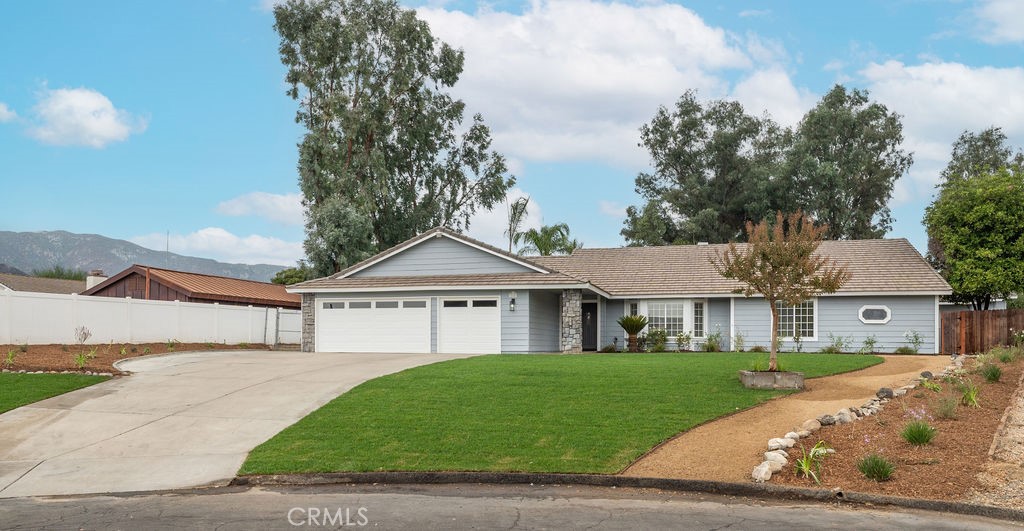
point(516, 216)
point(549, 240)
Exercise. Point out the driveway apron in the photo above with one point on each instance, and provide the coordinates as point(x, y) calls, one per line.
point(180, 420)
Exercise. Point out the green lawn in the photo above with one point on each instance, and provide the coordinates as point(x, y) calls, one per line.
point(17, 389)
point(537, 413)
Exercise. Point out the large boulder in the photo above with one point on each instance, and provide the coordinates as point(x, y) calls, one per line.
point(885, 392)
point(762, 472)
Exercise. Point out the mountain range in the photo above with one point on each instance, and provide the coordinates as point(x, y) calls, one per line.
point(30, 251)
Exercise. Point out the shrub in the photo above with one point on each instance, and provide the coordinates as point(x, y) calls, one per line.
point(918, 433)
point(761, 365)
point(738, 342)
point(81, 359)
point(809, 466)
point(1006, 355)
point(969, 392)
point(905, 350)
point(633, 325)
point(9, 360)
point(609, 348)
point(124, 350)
point(758, 348)
point(1017, 338)
point(838, 344)
point(876, 467)
point(915, 339)
point(657, 338)
point(146, 350)
point(713, 342)
point(931, 386)
point(683, 341)
point(869, 345)
point(171, 344)
point(23, 348)
point(82, 334)
point(991, 372)
point(91, 354)
point(946, 408)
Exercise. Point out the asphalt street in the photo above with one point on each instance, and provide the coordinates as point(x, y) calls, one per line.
point(457, 507)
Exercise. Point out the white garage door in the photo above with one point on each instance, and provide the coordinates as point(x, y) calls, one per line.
point(373, 325)
point(469, 326)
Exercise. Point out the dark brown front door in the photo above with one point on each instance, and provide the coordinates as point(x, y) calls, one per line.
point(589, 325)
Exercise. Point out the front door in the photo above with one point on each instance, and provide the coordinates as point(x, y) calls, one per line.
point(589, 325)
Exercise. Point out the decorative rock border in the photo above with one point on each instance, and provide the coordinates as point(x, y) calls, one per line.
point(89, 373)
point(776, 457)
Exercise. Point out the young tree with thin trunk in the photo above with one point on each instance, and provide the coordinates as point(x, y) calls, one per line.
point(781, 264)
point(517, 211)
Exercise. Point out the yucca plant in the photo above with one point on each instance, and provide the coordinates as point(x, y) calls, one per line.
point(633, 325)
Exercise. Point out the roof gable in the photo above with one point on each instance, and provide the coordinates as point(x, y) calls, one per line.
point(440, 251)
point(210, 287)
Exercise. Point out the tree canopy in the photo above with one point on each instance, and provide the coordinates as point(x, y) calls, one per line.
point(715, 168)
point(291, 275)
point(549, 240)
point(979, 224)
point(386, 154)
point(780, 263)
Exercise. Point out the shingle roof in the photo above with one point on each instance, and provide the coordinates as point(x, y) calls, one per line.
point(212, 287)
point(875, 266)
point(41, 285)
point(420, 282)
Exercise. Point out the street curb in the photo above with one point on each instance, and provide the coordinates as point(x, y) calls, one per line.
point(756, 490)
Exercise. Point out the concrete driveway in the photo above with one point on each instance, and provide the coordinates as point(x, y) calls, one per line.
point(181, 420)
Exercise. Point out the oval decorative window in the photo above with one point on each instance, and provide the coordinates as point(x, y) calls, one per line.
point(875, 314)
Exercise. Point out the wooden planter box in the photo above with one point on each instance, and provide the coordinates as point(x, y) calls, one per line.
point(772, 380)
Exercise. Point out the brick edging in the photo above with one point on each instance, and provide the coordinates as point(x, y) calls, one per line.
point(756, 490)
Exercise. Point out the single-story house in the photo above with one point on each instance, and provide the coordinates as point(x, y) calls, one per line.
point(40, 284)
point(152, 283)
point(444, 292)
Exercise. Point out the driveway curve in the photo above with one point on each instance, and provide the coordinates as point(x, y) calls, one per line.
point(180, 420)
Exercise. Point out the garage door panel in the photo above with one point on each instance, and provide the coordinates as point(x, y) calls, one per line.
point(374, 326)
point(470, 326)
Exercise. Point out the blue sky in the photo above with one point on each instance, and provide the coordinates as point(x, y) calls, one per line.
point(135, 119)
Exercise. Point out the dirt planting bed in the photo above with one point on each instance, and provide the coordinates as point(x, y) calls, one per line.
point(946, 469)
point(97, 358)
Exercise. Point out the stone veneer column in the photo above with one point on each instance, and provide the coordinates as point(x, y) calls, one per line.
point(308, 322)
point(572, 320)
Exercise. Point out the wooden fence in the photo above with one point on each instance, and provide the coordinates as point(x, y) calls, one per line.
point(977, 331)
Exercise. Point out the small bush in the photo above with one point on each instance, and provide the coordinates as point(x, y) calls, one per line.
point(991, 372)
point(969, 392)
point(946, 408)
point(1006, 355)
point(713, 342)
point(82, 334)
point(831, 349)
point(931, 386)
point(81, 359)
point(838, 344)
point(23, 347)
point(9, 360)
point(683, 342)
point(870, 343)
point(609, 348)
point(905, 350)
point(809, 466)
point(91, 354)
point(657, 339)
point(738, 342)
point(124, 350)
point(146, 350)
point(761, 365)
point(758, 348)
point(171, 344)
point(918, 433)
point(876, 467)
point(915, 339)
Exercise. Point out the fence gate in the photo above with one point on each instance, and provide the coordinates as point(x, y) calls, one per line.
point(970, 332)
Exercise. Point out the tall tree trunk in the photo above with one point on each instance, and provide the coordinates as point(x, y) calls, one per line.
point(773, 362)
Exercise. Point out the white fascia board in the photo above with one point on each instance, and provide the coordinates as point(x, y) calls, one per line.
point(758, 295)
point(489, 287)
point(426, 237)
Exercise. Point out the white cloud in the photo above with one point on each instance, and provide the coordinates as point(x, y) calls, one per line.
point(747, 13)
point(772, 91)
point(489, 226)
point(938, 101)
point(219, 244)
point(555, 88)
point(6, 113)
point(82, 117)
point(612, 209)
point(1000, 21)
point(281, 208)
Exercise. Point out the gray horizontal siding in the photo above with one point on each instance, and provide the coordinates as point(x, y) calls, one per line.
point(544, 321)
point(515, 326)
point(441, 256)
point(611, 332)
point(839, 316)
point(718, 320)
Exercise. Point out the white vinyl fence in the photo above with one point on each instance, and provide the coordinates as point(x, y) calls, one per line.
point(42, 318)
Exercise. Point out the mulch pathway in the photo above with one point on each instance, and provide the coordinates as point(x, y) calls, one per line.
point(62, 357)
point(946, 469)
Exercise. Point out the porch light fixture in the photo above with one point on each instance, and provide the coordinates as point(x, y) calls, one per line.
point(511, 301)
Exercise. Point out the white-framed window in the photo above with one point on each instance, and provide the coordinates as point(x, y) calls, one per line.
point(797, 321)
point(634, 308)
point(874, 314)
point(667, 316)
point(698, 319)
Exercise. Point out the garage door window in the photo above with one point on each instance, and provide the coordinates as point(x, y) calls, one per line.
point(485, 304)
point(456, 304)
point(414, 304)
point(334, 305)
point(387, 304)
point(359, 305)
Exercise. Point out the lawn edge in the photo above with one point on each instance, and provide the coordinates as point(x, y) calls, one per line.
point(754, 490)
